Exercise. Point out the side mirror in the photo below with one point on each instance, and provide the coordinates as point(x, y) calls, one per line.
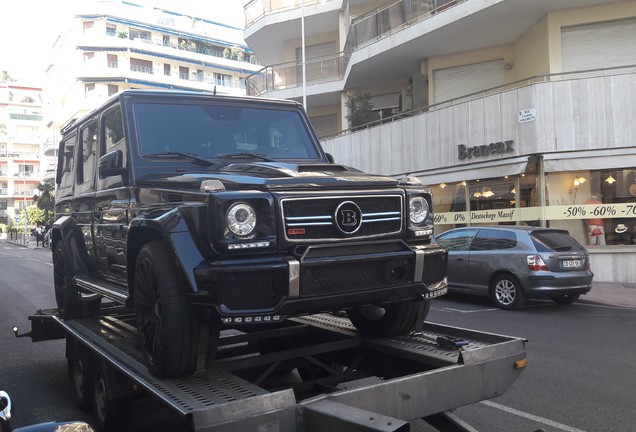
point(111, 164)
point(330, 158)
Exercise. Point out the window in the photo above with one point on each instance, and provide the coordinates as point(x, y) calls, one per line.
point(139, 34)
point(87, 26)
point(113, 129)
point(491, 239)
point(111, 30)
point(112, 89)
point(166, 69)
point(65, 165)
point(89, 88)
point(222, 79)
point(89, 56)
point(184, 72)
point(457, 240)
point(112, 61)
point(88, 142)
point(139, 65)
point(166, 40)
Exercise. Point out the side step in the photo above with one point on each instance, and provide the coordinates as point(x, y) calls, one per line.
point(102, 288)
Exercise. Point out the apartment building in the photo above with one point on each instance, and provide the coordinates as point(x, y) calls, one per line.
point(115, 45)
point(21, 134)
point(513, 111)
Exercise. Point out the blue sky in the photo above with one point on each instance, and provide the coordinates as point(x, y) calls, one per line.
point(28, 27)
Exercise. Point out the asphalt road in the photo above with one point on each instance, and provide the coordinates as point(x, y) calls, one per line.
point(579, 376)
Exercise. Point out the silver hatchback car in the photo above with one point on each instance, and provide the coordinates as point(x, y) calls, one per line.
point(513, 263)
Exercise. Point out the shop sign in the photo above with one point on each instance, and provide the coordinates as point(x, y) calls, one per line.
point(527, 115)
point(590, 211)
point(464, 152)
point(489, 216)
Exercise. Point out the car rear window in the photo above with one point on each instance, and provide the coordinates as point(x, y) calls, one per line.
point(490, 239)
point(557, 241)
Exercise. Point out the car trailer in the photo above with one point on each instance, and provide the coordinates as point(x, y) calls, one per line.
point(307, 374)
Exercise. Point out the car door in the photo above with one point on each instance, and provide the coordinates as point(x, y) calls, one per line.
point(112, 199)
point(458, 243)
point(491, 250)
point(84, 192)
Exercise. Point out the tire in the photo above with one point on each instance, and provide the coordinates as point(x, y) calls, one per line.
point(67, 295)
point(565, 299)
point(391, 320)
point(166, 322)
point(506, 292)
point(110, 414)
point(80, 374)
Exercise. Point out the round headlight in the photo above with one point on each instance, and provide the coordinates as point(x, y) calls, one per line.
point(418, 209)
point(241, 219)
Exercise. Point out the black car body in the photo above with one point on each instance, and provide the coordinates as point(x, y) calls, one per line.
point(234, 201)
point(513, 263)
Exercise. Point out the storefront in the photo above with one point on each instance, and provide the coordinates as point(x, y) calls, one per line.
point(590, 193)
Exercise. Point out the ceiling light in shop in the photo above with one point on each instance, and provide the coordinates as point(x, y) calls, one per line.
point(610, 179)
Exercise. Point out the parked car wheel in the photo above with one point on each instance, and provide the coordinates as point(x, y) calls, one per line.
point(390, 320)
point(565, 299)
point(165, 319)
point(67, 295)
point(507, 292)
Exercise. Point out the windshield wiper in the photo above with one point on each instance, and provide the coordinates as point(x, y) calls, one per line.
point(246, 156)
point(180, 155)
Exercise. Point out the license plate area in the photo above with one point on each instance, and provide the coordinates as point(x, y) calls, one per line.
point(571, 264)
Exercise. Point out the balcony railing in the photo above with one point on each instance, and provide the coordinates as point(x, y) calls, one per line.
point(290, 75)
point(197, 77)
point(364, 29)
point(258, 8)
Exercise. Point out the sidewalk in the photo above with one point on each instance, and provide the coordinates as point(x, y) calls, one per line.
point(607, 293)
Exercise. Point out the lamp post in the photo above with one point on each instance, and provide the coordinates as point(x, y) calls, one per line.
point(302, 49)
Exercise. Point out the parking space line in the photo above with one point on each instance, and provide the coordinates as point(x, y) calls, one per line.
point(532, 417)
point(446, 309)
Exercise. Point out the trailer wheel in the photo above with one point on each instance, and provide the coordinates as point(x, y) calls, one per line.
point(67, 295)
point(166, 322)
point(390, 320)
point(79, 370)
point(110, 414)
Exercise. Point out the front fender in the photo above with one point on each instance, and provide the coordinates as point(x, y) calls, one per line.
point(182, 231)
point(65, 230)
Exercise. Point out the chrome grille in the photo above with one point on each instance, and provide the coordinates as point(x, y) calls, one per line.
point(313, 218)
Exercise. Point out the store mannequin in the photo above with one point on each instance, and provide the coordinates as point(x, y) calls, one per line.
point(595, 226)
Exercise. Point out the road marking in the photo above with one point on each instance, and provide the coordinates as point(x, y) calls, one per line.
point(33, 259)
point(532, 417)
point(446, 309)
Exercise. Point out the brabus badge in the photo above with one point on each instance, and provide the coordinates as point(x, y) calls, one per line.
point(348, 217)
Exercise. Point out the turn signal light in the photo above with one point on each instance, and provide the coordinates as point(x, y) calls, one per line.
point(520, 364)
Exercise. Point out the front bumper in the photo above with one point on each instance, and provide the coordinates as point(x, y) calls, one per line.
point(322, 278)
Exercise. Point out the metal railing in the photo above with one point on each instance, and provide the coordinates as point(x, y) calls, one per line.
point(259, 8)
point(535, 79)
point(364, 29)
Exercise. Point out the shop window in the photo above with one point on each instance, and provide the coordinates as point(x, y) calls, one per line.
point(598, 207)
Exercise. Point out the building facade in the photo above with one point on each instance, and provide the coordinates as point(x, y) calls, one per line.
point(21, 135)
point(514, 112)
point(115, 45)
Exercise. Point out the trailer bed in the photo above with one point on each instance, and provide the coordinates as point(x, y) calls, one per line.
point(308, 374)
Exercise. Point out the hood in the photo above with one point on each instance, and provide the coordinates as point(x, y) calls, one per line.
point(269, 176)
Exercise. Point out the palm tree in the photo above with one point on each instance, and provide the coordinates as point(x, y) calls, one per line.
point(45, 199)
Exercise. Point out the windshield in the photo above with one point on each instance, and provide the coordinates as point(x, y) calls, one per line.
point(213, 131)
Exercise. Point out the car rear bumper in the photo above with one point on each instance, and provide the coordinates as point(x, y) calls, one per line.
point(323, 278)
point(550, 285)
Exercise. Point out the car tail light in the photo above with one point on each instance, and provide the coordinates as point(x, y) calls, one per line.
point(536, 263)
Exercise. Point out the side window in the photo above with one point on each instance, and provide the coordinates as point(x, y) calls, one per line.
point(87, 154)
point(113, 140)
point(113, 130)
point(66, 159)
point(489, 239)
point(457, 240)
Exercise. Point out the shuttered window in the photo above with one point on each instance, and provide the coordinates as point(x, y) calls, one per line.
point(599, 46)
point(452, 83)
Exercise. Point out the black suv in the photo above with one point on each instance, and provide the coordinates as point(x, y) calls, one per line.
point(203, 212)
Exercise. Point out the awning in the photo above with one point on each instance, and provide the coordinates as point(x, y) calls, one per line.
point(582, 160)
point(474, 171)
